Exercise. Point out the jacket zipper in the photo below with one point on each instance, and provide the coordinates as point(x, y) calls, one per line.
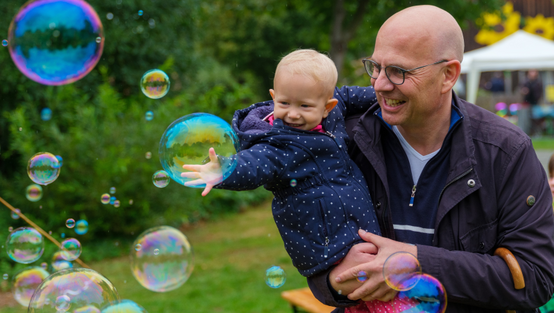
point(413, 195)
point(324, 230)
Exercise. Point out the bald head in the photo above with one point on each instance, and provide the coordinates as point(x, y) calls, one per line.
point(426, 29)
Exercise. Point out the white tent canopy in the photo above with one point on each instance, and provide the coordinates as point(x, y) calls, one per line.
point(519, 51)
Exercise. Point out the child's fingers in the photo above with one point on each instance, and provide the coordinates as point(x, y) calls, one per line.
point(207, 190)
point(190, 175)
point(195, 183)
point(192, 167)
point(213, 156)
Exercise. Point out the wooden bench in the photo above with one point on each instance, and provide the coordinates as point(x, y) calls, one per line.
point(302, 300)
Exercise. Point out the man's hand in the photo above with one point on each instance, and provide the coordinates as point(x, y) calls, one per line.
point(359, 254)
point(375, 288)
point(209, 174)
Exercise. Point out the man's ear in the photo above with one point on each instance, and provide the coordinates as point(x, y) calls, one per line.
point(451, 73)
point(331, 103)
point(272, 93)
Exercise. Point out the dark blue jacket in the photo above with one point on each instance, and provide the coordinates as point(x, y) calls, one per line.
point(321, 198)
point(486, 203)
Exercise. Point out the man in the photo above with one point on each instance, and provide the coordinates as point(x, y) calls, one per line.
point(450, 181)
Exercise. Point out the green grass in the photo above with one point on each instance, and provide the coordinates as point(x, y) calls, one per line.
point(231, 256)
point(543, 143)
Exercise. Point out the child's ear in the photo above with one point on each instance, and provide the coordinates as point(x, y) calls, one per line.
point(331, 103)
point(272, 93)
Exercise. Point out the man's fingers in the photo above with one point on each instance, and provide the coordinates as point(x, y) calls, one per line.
point(190, 175)
point(370, 237)
point(364, 291)
point(351, 273)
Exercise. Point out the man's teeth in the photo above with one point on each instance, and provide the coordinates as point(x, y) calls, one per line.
point(393, 103)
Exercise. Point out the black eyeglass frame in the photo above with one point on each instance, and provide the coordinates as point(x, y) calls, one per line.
point(376, 65)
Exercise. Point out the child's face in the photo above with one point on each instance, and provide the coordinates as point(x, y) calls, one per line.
point(300, 101)
point(551, 182)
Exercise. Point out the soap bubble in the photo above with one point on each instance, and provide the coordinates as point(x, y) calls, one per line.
point(75, 289)
point(71, 249)
point(70, 223)
point(187, 141)
point(15, 216)
point(81, 227)
point(4, 42)
point(399, 268)
point(105, 199)
point(25, 283)
point(140, 12)
point(43, 168)
point(116, 203)
point(160, 179)
point(60, 160)
point(87, 309)
point(33, 193)
point(59, 263)
point(275, 277)
point(154, 84)
point(124, 306)
point(44, 265)
point(169, 267)
point(148, 155)
point(112, 200)
point(53, 42)
point(361, 276)
point(25, 245)
point(45, 114)
point(138, 246)
point(63, 235)
point(112, 190)
point(149, 115)
point(5, 276)
point(109, 16)
point(293, 183)
point(10, 229)
point(428, 294)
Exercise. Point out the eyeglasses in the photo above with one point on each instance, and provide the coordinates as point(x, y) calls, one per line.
point(395, 74)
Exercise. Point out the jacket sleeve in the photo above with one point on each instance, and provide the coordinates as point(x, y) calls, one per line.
point(524, 228)
point(258, 165)
point(320, 287)
point(355, 99)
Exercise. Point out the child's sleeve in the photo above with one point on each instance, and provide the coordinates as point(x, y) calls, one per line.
point(354, 99)
point(259, 165)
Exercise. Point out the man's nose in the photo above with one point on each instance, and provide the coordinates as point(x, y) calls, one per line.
point(382, 82)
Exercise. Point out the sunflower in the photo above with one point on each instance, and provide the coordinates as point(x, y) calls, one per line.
point(493, 28)
point(539, 25)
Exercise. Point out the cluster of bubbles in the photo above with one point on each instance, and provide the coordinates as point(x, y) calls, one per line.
point(187, 141)
point(55, 42)
point(275, 277)
point(73, 290)
point(160, 179)
point(154, 84)
point(33, 193)
point(402, 272)
point(43, 168)
point(162, 259)
point(25, 245)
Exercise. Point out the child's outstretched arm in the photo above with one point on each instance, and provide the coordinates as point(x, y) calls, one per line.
point(209, 173)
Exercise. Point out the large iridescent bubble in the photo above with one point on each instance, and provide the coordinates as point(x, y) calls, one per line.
point(25, 245)
point(54, 42)
point(73, 290)
point(124, 306)
point(43, 168)
point(25, 283)
point(188, 139)
point(164, 261)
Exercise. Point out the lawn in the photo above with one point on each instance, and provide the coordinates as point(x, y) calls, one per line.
point(231, 256)
point(543, 143)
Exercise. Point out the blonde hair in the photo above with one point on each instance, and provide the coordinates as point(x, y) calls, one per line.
point(310, 63)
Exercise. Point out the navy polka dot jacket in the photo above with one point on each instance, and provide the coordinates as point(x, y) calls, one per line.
point(321, 198)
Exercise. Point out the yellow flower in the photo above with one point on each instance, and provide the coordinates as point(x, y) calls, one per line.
point(539, 25)
point(493, 28)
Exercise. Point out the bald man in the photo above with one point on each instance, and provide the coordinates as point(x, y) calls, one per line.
point(450, 181)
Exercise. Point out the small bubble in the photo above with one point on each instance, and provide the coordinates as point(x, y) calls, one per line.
point(44, 265)
point(62, 235)
point(148, 155)
point(70, 223)
point(109, 16)
point(362, 276)
point(63, 303)
point(112, 190)
point(125, 281)
point(293, 183)
point(140, 12)
point(4, 43)
point(10, 229)
point(5, 276)
point(151, 23)
point(131, 202)
point(156, 251)
point(149, 115)
point(98, 39)
point(20, 128)
point(112, 200)
point(116, 203)
point(105, 199)
point(138, 247)
point(46, 114)
point(15, 215)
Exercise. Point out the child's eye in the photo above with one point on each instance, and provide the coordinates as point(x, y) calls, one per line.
point(284, 103)
point(305, 106)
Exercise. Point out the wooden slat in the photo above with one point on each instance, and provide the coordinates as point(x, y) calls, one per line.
point(303, 298)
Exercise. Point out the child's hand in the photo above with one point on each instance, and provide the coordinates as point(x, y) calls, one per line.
point(209, 174)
